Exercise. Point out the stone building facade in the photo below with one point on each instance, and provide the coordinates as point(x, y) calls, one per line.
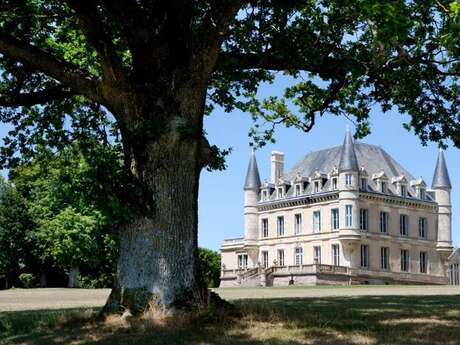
point(344, 215)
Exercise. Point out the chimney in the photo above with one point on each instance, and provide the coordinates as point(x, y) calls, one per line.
point(277, 166)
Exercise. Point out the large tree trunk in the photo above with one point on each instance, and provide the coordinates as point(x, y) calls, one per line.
point(74, 277)
point(158, 264)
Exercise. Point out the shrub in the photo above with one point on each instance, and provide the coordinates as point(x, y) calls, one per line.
point(27, 280)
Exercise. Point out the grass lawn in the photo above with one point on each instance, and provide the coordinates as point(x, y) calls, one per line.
point(328, 320)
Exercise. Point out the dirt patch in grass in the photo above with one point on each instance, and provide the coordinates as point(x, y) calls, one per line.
point(427, 320)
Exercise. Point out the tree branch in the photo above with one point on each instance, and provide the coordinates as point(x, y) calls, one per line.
point(93, 28)
point(32, 98)
point(40, 60)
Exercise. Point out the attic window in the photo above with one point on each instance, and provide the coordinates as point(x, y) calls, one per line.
point(403, 190)
point(422, 193)
point(334, 183)
point(264, 195)
point(383, 187)
point(364, 183)
point(280, 192)
point(316, 186)
point(298, 189)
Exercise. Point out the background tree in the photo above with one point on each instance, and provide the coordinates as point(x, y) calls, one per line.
point(210, 264)
point(15, 239)
point(154, 64)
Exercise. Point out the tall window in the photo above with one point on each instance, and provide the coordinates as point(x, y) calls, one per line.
point(297, 223)
point(316, 221)
point(422, 233)
point(316, 186)
point(334, 183)
point(264, 259)
point(317, 254)
point(336, 255)
point(403, 225)
point(280, 192)
point(364, 183)
point(299, 256)
point(404, 260)
point(363, 219)
point(348, 216)
point(280, 225)
point(384, 222)
point(348, 179)
point(364, 256)
point(335, 218)
point(264, 227)
point(297, 189)
point(423, 262)
point(403, 190)
point(280, 257)
point(383, 187)
point(422, 193)
point(385, 258)
point(242, 261)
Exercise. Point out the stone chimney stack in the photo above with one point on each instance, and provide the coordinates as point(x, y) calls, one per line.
point(277, 166)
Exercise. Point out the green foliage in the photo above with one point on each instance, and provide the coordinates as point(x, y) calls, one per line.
point(27, 280)
point(210, 265)
point(69, 237)
point(15, 226)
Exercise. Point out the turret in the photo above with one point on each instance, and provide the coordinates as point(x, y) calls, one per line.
point(251, 195)
point(442, 188)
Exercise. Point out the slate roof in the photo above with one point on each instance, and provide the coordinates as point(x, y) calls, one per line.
point(441, 175)
point(252, 175)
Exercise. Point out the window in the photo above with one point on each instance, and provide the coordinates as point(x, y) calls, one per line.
point(335, 255)
point(297, 224)
point(363, 219)
point(265, 259)
point(385, 258)
point(335, 218)
point(316, 221)
point(422, 233)
point(316, 186)
point(423, 262)
point(334, 183)
point(403, 225)
point(243, 261)
point(364, 256)
point(264, 195)
point(297, 190)
point(404, 260)
point(403, 190)
point(280, 257)
point(348, 179)
point(348, 216)
point(280, 192)
point(364, 183)
point(383, 187)
point(317, 254)
point(422, 193)
point(280, 225)
point(384, 222)
point(264, 227)
point(299, 256)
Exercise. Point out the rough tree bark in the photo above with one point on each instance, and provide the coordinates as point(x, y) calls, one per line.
point(74, 277)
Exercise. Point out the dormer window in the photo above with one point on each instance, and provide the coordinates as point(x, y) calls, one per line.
point(364, 183)
point(316, 186)
point(334, 183)
point(422, 193)
point(264, 195)
point(280, 192)
point(348, 179)
point(403, 191)
point(383, 187)
point(298, 189)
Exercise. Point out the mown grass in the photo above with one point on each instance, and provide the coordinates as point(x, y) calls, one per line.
point(340, 320)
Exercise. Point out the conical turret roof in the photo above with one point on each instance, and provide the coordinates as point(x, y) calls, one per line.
point(252, 176)
point(348, 160)
point(441, 175)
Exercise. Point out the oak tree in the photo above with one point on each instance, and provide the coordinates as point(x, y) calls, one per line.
point(157, 67)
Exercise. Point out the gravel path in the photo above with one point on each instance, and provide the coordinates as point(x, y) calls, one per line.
point(33, 299)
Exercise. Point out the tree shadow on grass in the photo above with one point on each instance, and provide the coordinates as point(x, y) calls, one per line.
point(424, 320)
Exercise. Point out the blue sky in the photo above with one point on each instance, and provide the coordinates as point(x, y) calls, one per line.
point(221, 192)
